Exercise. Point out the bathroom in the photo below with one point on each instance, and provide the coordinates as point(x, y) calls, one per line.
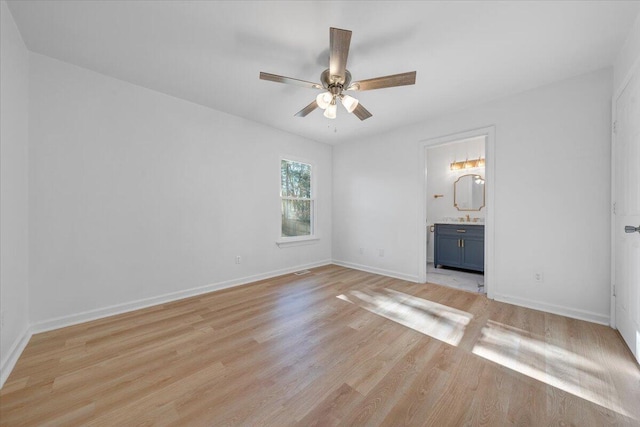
point(456, 209)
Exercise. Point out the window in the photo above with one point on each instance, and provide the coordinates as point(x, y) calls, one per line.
point(297, 199)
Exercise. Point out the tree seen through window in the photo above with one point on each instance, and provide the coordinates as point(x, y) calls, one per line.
point(297, 202)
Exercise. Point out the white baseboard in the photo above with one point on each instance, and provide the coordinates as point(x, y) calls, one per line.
point(381, 271)
point(574, 313)
point(99, 313)
point(15, 351)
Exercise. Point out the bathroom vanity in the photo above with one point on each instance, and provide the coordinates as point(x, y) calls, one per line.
point(459, 245)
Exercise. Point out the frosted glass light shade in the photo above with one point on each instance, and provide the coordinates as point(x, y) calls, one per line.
point(349, 102)
point(324, 99)
point(330, 112)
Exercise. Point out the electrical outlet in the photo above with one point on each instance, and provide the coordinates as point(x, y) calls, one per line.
point(361, 251)
point(238, 259)
point(538, 276)
point(381, 252)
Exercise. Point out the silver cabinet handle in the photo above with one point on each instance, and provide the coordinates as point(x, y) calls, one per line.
point(631, 229)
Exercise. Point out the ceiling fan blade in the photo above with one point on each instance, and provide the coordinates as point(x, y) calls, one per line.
point(339, 41)
point(288, 80)
point(361, 112)
point(402, 79)
point(306, 110)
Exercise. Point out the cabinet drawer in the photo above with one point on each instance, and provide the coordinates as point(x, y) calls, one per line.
point(460, 230)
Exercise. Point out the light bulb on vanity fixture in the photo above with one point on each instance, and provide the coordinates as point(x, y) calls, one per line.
point(468, 164)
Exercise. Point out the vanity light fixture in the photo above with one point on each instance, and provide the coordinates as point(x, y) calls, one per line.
point(467, 164)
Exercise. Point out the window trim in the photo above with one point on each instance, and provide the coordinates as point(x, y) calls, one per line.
point(296, 241)
point(284, 241)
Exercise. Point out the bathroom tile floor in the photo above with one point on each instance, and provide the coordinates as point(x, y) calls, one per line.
point(467, 281)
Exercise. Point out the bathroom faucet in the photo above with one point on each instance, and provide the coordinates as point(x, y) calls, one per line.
point(468, 219)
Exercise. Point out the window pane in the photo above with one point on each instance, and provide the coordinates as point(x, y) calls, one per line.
point(296, 218)
point(295, 179)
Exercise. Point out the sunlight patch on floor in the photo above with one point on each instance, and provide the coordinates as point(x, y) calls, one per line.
point(518, 350)
point(427, 317)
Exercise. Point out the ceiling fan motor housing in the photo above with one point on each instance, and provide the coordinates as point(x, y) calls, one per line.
point(333, 83)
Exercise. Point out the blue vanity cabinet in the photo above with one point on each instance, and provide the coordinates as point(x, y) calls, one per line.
point(459, 246)
point(473, 253)
point(447, 250)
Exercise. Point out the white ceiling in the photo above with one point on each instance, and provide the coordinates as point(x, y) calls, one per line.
point(211, 53)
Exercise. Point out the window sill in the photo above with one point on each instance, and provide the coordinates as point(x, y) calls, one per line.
point(297, 241)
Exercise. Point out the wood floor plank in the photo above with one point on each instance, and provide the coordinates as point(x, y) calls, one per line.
point(334, 347)
point(333, 408)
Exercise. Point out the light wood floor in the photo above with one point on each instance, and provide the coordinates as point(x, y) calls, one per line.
point(334, 347)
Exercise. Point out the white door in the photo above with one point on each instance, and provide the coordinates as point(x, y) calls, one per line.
point(627, 213)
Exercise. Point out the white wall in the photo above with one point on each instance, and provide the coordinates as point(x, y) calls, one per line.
point(552, 193)
point(628, 56)
point(441, 179)
point(14, 87)
point(136, 195)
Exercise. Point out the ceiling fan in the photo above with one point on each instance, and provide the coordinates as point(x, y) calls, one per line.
point(337, 79)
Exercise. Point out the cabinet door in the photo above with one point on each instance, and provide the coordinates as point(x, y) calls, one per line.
point(448, 251)
point(473, 254)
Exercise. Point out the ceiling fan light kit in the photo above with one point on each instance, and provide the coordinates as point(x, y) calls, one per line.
point(324, 99)
point(337, 79)
point(331, 110)
point(349, 102)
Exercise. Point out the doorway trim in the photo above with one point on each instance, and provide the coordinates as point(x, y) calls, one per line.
point(617, 92)
point(489, 244)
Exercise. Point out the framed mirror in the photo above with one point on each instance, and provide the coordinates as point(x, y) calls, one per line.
point(468, 193)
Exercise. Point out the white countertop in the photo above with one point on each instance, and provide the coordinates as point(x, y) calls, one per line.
point(459, 223)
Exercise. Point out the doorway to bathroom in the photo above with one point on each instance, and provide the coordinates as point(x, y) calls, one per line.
point(457, 210)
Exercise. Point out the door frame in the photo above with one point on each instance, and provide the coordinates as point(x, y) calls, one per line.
point(635, 69)
point(489, 133)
